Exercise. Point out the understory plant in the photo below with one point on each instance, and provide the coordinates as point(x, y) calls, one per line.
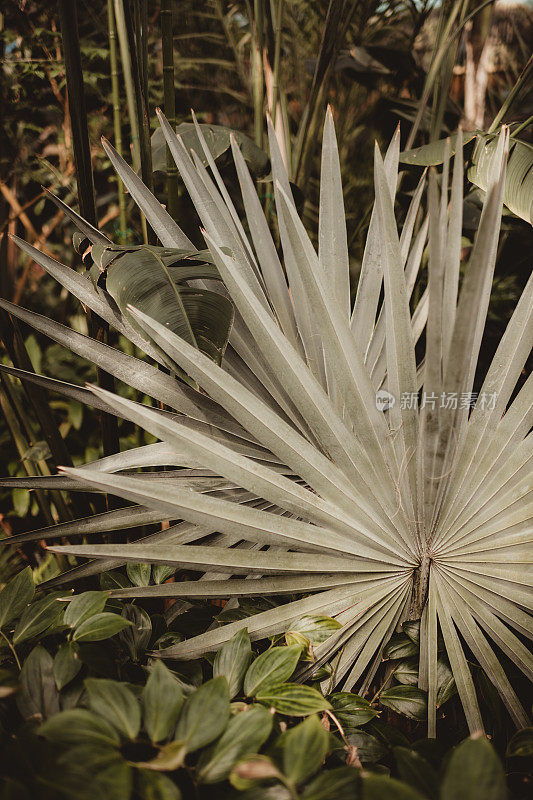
point(93, 711)
point(333, 457)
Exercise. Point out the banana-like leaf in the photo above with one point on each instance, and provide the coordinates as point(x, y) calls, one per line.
point(153, 279)
point(518, 192)
point(218, 139)
point(314, 469)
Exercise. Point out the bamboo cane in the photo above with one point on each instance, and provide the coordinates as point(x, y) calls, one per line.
point(167, 41)
point(112, 28)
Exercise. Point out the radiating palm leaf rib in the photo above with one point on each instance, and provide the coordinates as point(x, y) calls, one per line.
point(282, 466)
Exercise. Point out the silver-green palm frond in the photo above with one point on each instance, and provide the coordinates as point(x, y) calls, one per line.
point(309, 464)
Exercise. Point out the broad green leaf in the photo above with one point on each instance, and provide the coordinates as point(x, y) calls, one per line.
point(400, 646)
point(521, 744)
point(155, 786)
point(15, 596)
point(417, 772)
point(204, 715)
point(292, 699)
point(113, 580)
point(37, 697)
point(39, 616)
point(411, 628)
point(271, 668)
point(162, 699)
point(474, 772)
point(369, 748)
point(217, 138)
point(316, 628)
point(232, 661)
point(139, 574)
point(150, 278)
point(407, 672)
point(407, 700)
point(161, 573)
point(377, 787)
point(304, 749)
point(245, 734)
point(446, 686)
point(339, 783)
point(100, 626)
point(115, 703)
point(79, 726)
point(351, 710)
point(84, 606)
point(67, 664)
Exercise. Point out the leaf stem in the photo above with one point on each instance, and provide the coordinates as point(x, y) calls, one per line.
point(12, 648)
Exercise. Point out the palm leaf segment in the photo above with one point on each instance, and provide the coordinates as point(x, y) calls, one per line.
point(294, 480)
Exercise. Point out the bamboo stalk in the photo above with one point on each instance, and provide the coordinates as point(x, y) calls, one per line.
point(128, 81)
point(277, 60)
point(167, 42)
point(77, 110)
point(257, 71)
point(137, 102)
point(115, 94)
point(125, 57)
point(84, 178)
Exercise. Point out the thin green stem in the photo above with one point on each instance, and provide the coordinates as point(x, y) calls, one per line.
point(277, 60)
point(12, 648)
point(125, 57)
point(167, 42)
point(115, 94)
point(521, 127)
point(257, 71)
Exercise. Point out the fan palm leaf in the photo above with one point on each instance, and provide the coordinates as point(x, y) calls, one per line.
point(308, 462)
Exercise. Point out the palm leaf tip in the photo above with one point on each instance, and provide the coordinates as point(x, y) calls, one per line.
point(376, 512)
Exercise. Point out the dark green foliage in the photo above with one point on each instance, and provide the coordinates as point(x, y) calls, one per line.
point(106, 714)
